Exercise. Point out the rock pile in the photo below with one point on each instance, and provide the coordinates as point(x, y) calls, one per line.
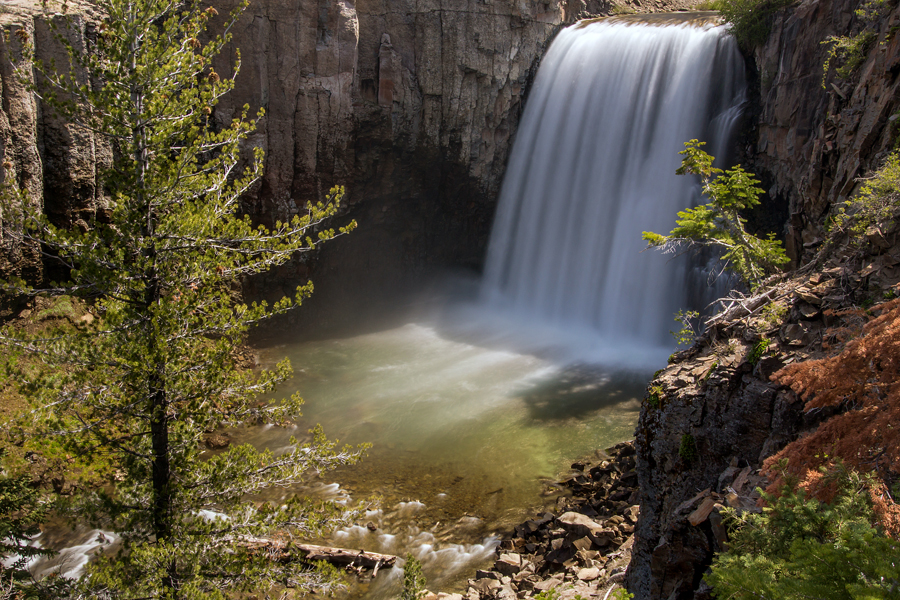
point(583, 549)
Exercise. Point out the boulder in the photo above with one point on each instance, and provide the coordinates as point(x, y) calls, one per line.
point(508, 564)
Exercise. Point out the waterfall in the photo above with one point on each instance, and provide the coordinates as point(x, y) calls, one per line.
point(593, 165)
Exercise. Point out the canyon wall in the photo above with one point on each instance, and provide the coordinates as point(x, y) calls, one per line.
point(410, 104)
point(53, 162)
point(815, 134)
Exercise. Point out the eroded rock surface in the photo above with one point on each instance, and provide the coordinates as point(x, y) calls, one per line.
point(818, 134)
point(712, 416)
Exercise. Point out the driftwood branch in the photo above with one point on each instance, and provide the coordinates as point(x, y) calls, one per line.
point(740, 307)
point(358, 560)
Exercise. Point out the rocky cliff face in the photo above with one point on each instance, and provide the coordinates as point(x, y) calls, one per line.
point(411, 104)
point(54, 162)
point(713, 411)
point(817, 134)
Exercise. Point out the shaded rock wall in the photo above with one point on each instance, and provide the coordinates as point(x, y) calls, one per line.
point(813, 142)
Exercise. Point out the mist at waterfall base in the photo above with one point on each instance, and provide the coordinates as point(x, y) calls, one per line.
point(491, 390)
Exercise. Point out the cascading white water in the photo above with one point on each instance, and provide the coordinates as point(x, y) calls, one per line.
point(593, 166)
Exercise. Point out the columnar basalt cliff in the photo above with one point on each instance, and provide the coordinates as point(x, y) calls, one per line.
point(409, 104)
point(56, 163)
point(713, 413)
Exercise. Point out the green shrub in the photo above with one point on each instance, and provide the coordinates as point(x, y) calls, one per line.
point(751, 20)
point(718, 224)
point(712, 368)
point(689, 323)
point(654, 396)
point(687, 449)
point(876, 205)
point(773, 313)
point(848, 52)
point(551, 594)
point(413, 579)
point(803, 548)
point(759, 350)
point(59, 308)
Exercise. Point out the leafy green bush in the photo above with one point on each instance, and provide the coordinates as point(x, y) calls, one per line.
point(848, 52)
point(655, 395)
point(759, 350)
point(688, 319)
point(751, 20)
point(876, 205)
point(802, 548)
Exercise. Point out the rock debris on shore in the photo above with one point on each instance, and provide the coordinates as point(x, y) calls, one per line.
point(582, 548)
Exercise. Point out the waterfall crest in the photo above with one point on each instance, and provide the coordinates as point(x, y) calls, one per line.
point(593, 165)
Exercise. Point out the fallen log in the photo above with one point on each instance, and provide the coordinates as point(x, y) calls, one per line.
point(357, 560)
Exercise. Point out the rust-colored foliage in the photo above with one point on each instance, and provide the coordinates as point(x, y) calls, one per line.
point(863, 379)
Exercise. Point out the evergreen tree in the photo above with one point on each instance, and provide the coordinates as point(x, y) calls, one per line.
point(21, 511)
point(138, 388)
point(801, 548)
point(718, 223)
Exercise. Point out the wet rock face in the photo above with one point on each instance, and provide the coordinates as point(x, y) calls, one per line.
point(813, 142)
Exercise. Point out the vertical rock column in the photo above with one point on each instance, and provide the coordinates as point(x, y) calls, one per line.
point(20, 163)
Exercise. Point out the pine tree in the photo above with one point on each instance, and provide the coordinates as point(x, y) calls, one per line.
point(803, 548)
point(137, 389)
point(718, 224)
point(21, 511)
